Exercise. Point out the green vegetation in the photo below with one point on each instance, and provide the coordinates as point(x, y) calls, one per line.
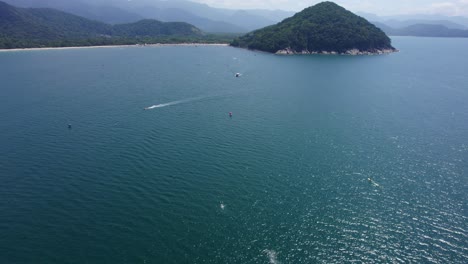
point(149, 27)
point(38, 24)
point(323, 27)
point(43, 27)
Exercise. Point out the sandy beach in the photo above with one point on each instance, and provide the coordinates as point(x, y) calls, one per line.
point(118, 46)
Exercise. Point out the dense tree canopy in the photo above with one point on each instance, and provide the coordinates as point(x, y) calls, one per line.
point(323, 27)
point(43, 27)
point(150, 27)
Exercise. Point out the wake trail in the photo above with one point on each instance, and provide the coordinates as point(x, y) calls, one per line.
point(178, 102)
point(194, 99)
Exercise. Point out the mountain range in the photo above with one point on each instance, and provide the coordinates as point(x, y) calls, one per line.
point(423, 30)
point(217, 20)
point(36, 27)
point(207, 18)
point(399, 21)
point(420, 25)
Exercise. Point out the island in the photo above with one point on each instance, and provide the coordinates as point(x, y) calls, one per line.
point(325, 28)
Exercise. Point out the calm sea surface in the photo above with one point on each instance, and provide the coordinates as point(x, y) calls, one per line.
point(285, 180)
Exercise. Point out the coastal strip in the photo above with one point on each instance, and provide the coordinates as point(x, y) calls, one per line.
point(352, 52)
point(118, 46)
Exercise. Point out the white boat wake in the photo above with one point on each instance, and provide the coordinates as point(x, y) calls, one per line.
point(373, 182)
point(272, 256)
point(176, 102)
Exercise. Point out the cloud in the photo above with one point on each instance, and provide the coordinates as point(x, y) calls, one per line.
point(452, 8)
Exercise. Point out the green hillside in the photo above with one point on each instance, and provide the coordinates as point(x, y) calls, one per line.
point(46, 24)
point(39, 27)
point(325, 27)
point(150, 28)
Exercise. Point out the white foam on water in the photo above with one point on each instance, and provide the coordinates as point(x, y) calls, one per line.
point(373, 182)
point(176, 102)
point(271, 254)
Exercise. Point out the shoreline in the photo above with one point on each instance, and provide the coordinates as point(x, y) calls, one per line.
point(116, 46)
point(351, 52)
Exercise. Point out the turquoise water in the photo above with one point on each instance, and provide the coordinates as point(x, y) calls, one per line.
point(285, 180)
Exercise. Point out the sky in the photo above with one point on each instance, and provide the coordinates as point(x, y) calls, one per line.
point(380, 7)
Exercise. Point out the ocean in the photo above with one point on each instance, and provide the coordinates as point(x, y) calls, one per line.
point(326, 159)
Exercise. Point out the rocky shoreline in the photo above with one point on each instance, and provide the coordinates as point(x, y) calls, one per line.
point(352, 52)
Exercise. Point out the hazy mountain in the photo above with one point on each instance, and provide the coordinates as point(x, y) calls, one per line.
point(106, 14)
point(405, 23)
point(423, 30)
point(455, 19)
point(455, 22)
point(273, 15)
point(245, 19)
point(385, 28)
point(249, 21)
point(176, 14)
point(203, 16)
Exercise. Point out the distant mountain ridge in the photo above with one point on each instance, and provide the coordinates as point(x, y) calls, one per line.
point(410, 22)
point(176, 15)
point(323, 28)
point(399, 21)
point(423, 30)
point(106, 14)
point(154, 28)
point(29, 27)
point(420, 25)
point(207, 18)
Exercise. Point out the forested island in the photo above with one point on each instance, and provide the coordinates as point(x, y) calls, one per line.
point(44, 27)
point(325, 28)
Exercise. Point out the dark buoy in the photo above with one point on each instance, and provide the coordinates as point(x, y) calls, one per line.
point(69, 126)
point(230, 114)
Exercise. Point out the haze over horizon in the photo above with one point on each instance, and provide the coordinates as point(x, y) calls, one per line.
point(447, 8)
point(378, 7)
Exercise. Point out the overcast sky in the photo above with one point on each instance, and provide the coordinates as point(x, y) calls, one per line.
point(380, 7)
